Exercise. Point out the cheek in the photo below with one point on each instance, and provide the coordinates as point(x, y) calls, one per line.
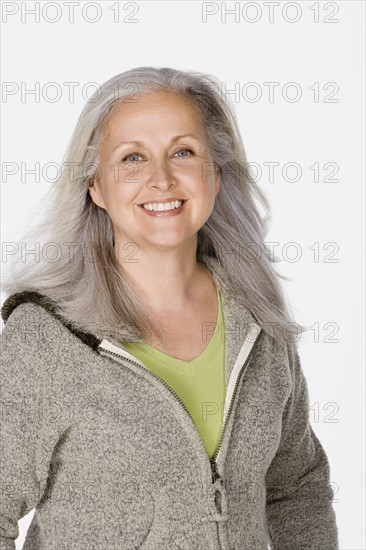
point(118, 173)
point(128, 176)
point(116, 197)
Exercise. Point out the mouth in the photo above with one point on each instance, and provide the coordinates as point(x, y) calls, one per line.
point(164, 205)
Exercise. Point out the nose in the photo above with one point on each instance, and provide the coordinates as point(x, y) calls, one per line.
point(161, 176)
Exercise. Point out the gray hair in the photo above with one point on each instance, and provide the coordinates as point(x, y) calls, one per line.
point(95, 292)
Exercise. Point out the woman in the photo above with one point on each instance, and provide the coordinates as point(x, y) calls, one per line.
point(153, 395)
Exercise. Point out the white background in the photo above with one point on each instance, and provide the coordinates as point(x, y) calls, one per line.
point(308, 131)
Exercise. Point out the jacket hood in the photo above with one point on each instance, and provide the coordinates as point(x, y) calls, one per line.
point(28, 296)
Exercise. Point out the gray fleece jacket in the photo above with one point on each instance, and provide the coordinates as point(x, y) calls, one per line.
point(110, 458)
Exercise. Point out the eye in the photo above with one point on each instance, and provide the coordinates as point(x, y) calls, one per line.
point(182, 150)
point(138, 155)
point(131, 155)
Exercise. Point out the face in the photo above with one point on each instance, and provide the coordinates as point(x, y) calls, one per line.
point(170, 161)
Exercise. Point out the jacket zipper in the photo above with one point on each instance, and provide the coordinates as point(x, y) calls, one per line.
point(215, 473)
point(214, 460)
point(104, 348)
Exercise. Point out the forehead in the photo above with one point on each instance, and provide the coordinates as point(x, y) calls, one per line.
point(153, 108)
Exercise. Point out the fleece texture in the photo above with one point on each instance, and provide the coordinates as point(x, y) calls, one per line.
point(111, 460)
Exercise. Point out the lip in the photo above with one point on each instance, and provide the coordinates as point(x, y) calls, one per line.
point(162, 201)
point(164, 213)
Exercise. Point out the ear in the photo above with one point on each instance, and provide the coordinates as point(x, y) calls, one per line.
point(95, 194)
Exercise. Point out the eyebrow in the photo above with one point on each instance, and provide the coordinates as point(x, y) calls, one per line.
point(141, 143)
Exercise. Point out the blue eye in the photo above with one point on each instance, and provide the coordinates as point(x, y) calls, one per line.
point(138, 155)
point(181, 150)
point(131, 155)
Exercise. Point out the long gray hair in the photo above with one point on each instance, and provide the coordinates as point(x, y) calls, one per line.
point(93, 291)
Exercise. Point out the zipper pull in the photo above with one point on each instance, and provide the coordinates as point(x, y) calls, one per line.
point(215, 472)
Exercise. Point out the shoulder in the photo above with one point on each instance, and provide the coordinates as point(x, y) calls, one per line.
point(26, 316)
point(36, 318)
point(26, 356)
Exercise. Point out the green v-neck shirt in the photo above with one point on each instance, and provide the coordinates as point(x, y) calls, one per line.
point(200, 383)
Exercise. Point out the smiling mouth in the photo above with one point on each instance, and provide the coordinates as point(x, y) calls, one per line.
point(163, 206)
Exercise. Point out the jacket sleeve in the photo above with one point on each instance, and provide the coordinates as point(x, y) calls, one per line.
point(300, 515)
point(28, 434)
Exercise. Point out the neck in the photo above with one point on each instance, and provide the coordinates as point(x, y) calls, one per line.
point(167, 280)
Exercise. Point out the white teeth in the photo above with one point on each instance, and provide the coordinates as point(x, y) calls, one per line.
point(159, 206)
